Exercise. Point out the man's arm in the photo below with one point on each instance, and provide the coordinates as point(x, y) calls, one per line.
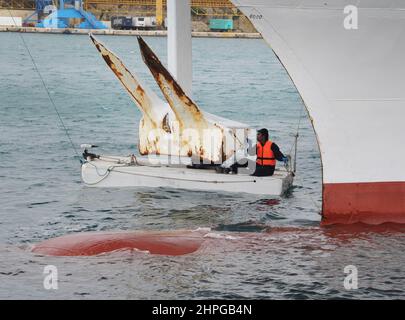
point(277, 153)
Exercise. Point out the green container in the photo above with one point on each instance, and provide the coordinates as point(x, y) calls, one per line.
point(221, 24)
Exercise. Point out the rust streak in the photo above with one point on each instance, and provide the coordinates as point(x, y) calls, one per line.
point(112, 65)
point(157, 69)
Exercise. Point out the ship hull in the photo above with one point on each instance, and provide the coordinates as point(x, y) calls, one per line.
point(104, 173)
point(352, 83)
point(370, 202)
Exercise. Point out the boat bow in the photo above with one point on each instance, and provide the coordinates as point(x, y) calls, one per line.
point(351, 81)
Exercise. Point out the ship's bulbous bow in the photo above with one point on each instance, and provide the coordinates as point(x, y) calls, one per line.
point(95, 243)
point(352, 83)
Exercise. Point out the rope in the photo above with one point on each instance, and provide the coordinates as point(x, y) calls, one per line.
point(294, 145)
point(103, 176)
point(293, 166)
point(297, 131)
point(47, 91)
point(317, 207)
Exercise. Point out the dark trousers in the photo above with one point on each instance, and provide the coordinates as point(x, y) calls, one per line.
point(263, 171)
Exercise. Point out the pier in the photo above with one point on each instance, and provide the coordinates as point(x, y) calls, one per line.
point(151, 33)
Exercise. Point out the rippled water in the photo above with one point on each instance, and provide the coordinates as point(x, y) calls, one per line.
point(283, 253)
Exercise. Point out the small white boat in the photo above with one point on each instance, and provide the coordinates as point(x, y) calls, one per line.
point(137, 172)
point(177, 129)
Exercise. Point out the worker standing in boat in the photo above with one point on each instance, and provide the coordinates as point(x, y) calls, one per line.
point(267, 153)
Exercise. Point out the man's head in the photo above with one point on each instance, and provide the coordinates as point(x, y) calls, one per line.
point(262, 135)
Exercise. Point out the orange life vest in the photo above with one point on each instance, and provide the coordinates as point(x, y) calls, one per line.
point(265, 156)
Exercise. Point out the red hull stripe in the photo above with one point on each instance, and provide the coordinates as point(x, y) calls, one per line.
point(371, 203)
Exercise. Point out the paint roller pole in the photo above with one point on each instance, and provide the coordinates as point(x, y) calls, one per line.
point(179, 43)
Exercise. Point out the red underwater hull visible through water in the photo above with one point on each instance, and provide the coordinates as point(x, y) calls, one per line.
point(181, 242)
point(94, 243)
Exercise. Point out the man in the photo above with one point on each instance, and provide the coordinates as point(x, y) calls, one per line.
point(267, 153)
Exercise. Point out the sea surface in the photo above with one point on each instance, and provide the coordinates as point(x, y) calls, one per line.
point(259, 247)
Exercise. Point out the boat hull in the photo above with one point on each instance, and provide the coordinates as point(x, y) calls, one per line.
point(171, 243)
point(99, 173)
point(371, 203)
point(351, 81)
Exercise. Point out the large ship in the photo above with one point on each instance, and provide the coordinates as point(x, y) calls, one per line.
point(347, 64)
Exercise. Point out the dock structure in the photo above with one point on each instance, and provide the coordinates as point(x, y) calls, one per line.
point(198, 7)
point(151, 7)
point(203, 13)
point(150, 33)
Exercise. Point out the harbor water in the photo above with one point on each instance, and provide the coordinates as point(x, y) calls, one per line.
point(258, 247)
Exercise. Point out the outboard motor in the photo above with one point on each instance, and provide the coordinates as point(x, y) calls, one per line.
point(86, 154)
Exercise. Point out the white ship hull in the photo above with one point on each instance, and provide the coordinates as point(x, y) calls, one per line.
point(104, 173)
point(352, 83)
